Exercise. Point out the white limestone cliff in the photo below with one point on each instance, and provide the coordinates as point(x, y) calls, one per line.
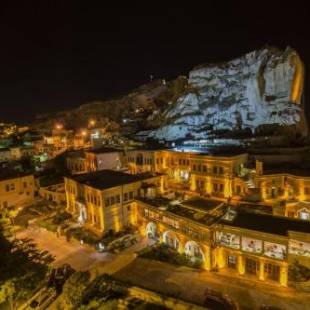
point(261, 88)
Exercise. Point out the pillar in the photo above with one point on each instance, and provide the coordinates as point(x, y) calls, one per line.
point(283, 275)
point(193, 183)
point(182, 243)
point(261, 270)
point(241, 264)
point(221, 259)
point(207, 256)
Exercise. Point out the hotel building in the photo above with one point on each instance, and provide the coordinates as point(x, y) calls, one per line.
point(16, 189)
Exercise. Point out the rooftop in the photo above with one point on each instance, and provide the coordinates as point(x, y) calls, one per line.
point(101, 150)
point(203, 204)
point(8, 174)
point(288, 168)
point(220, 151)
point(105, 179)
point(267, 223)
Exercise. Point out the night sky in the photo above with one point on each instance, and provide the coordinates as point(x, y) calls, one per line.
point(55, 55)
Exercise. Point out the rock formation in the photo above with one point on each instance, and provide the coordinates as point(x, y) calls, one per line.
point(257, 92)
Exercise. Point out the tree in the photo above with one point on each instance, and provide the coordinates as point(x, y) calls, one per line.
point(22, 269)
point(74, 288)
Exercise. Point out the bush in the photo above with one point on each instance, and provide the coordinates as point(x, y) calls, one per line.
point(164, 253)
point(298, 272)
point(103, 288)
point(86, 235)
point(47, 225)
point(74, 288)
point(60, 217)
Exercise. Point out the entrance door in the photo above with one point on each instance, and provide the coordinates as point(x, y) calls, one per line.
point(272, 272)
point(232, 261)
point(251, 266)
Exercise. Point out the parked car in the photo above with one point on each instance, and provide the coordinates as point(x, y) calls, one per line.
point(58, 277)
point(122, 243)
point(44, 299)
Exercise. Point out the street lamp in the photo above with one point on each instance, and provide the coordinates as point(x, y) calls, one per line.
point(58, 126)
point(92, 123)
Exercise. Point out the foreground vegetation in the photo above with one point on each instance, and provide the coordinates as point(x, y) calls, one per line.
point(23, 268)
point(164, 253)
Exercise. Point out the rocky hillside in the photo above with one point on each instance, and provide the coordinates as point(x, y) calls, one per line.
point(126, 114)
point(259, 93)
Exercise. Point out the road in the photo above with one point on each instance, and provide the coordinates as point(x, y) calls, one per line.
point(184, 282)
point(190, 285)
point(80, 257)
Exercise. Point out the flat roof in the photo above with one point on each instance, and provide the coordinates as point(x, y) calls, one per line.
point(7, 174)
point(217, 151)
point(101, 150)
point(105, 179)
point(203, 204)
point(286, 169)
point(267, 223)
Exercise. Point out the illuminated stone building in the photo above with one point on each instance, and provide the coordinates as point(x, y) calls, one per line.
point(76, 162)
point(16, 189)
point(104, 199)
point(288, 189)
point(5, 154)
point(103, 158)
point(205, 174)
point(256, 246)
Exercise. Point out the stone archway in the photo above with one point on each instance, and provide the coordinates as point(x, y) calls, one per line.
point(170, 238)
point(151, 231)
point(193, 250)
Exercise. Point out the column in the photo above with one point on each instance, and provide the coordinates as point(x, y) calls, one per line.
point(221, 258)
point(283, 275)
point(207, 256)
point(261, 270)
point(241, 264)
point(193, 183)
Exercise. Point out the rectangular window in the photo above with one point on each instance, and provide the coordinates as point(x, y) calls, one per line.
point(306, 190)
point(25, 184)
point(125, 196)
point(215, 169)
point(180, 161)
point(107, 202)
point(221, 170)
point(232, 261)
point(194, 167)
point(112, 200)
point(215, 187)
point(204, 168)
point(118, 200)
point(131, 195)
point(221, 188)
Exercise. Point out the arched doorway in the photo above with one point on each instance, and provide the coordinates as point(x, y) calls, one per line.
point(151, 231)
point(193, 250)
point(170, 238)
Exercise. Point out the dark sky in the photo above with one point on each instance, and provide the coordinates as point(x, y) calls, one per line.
point(59, 54)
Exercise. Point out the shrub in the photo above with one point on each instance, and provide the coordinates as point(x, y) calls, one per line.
point(60, 217)
point(298, 272)
point(73, 289)
point(164, 253)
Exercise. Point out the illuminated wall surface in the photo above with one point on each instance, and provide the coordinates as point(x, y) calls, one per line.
point(299, 248)
point(228, 240)
point(252, 245)
point(274, 250)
